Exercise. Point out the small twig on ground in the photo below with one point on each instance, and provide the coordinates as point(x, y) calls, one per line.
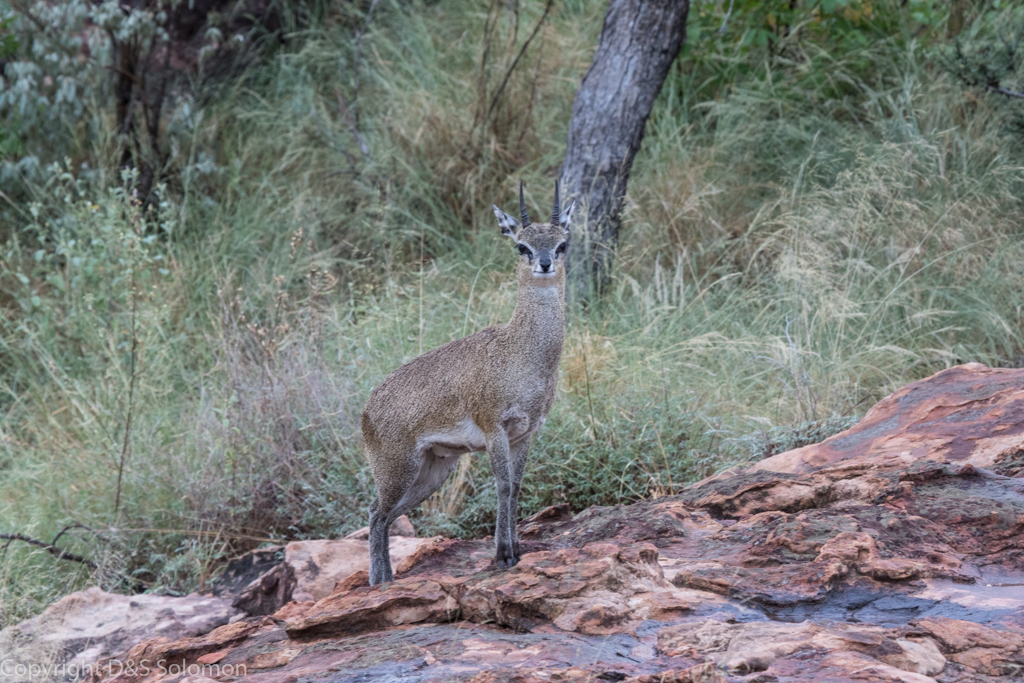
point(59, 553)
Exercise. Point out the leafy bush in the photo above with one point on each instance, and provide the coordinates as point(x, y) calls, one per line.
point(988, 57)
point(113, 83)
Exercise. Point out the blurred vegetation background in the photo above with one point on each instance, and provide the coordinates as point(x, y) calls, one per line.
point(223, 223)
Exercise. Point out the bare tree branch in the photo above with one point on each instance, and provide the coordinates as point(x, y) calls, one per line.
point(522, 51)
point(68, 528)
point(59, 553)
point(1005, 91)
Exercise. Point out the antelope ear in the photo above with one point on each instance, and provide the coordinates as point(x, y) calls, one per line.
point(509, 226)
point(566, 216)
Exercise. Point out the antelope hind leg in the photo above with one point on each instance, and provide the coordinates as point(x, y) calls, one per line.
point(380, 557)
point(432, 473)
point(394, 472)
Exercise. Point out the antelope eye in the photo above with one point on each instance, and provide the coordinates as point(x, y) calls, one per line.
point(561, 248)
point(524, 250)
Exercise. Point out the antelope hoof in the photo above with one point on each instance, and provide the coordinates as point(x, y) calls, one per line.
point(506, 558)
point(380, 575)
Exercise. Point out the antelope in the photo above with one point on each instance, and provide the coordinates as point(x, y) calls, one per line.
point(490, 391)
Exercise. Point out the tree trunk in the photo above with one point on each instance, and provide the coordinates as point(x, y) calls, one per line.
point(638, 43)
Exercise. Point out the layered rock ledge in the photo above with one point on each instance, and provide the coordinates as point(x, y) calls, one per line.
point(893, 551)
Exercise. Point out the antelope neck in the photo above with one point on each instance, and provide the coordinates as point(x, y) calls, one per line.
point(540, 310)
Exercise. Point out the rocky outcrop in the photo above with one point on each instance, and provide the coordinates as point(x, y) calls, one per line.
point(967, 415)
point(891, 552)
point(73, 634)
point(264, 580)
point(81, 628)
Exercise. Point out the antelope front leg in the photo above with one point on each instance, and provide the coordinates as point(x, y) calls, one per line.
point(504, 528)
point(517, 462)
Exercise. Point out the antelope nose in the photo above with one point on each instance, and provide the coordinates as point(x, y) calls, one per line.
point(545, 263)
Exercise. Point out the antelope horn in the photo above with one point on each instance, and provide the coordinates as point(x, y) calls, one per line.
point(555, 211)
point(522, 207)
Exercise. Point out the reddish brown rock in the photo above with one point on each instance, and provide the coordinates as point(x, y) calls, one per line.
point(407, 601)
point(263, 581)
point(969, 414)
point(154, 659)
point(891, 552)
point(400, 527)
point(703, 673)
point(598, 589)
point(955, 635)
point(318, 566)
point(87, 626)
point(358, 580)
point(814, 666)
